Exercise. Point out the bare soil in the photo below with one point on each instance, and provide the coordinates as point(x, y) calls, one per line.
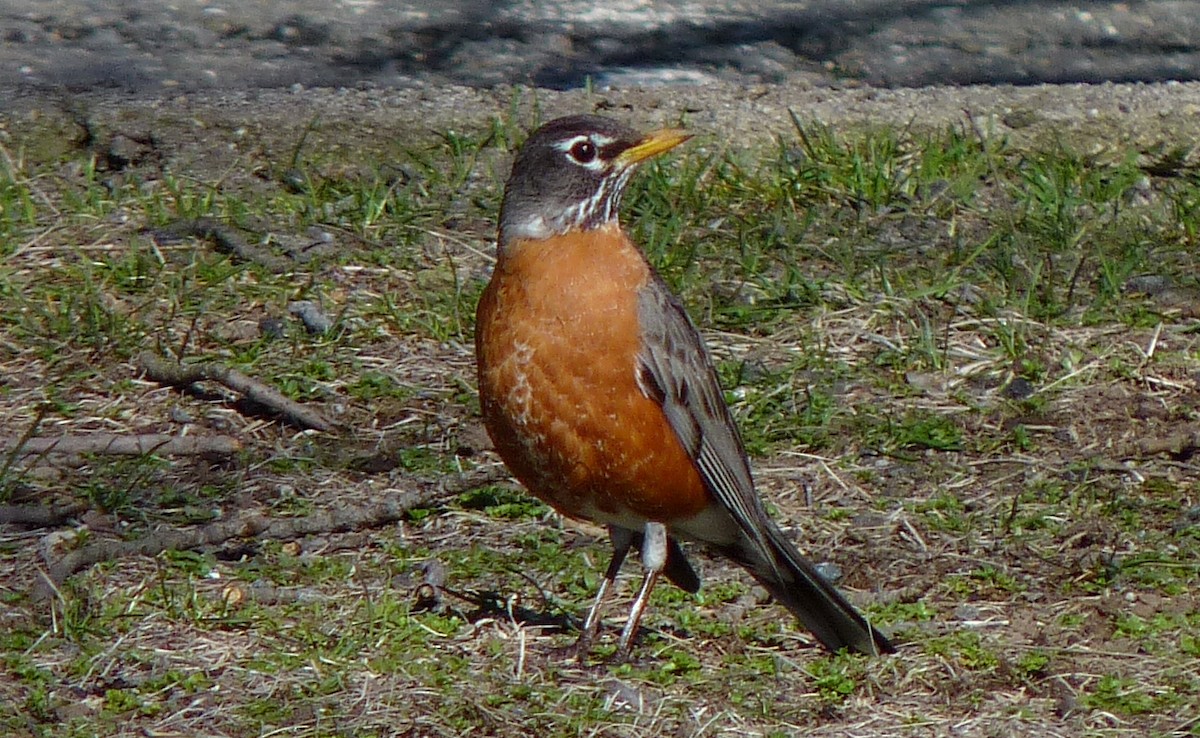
point(1128, 440)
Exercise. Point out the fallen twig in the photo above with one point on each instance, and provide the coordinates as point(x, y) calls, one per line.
point(123, 445)
point(256, 524)
point(245, 524)
point(226, 239)
point(164, 370)
point(1180, 445)
point(39, 516)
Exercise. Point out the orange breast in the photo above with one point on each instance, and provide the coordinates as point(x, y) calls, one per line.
point(557, 337)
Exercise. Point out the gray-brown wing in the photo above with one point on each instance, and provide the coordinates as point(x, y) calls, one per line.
point(675, 370)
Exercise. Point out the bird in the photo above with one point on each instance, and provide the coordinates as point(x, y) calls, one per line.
point(601, 397)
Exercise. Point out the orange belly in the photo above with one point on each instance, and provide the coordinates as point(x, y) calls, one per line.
point(557, 337)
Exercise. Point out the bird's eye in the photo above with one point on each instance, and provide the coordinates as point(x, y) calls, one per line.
point(583, 151)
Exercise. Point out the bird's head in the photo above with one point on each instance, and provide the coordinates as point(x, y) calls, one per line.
point(571, 173)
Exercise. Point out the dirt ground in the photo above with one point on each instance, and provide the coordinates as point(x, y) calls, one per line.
point(1091, 117)
point(1126, 439)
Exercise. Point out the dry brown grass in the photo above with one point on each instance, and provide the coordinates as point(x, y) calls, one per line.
point(1040, 573)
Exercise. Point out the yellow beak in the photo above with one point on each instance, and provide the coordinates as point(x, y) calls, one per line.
point(651, 145)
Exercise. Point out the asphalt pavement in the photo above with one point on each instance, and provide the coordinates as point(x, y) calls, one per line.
point(191, 45)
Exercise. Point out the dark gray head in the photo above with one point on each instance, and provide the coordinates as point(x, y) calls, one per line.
point(571, 173)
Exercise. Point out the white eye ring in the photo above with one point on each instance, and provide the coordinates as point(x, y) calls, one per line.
point(584, 150)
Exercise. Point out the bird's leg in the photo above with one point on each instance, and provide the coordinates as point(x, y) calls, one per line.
point(622, 539)
point(654, 558)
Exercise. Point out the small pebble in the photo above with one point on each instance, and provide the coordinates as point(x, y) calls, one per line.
point(831, 571)
point(271, 328)
point(1019, 389)
point(1147, 284)
point(315, 320)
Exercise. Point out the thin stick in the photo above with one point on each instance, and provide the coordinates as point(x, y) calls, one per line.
point(122, 445)
point(164, 370)
point(245, 524)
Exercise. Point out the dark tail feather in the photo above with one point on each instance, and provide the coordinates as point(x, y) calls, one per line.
point(679, 570)
point(799, 587)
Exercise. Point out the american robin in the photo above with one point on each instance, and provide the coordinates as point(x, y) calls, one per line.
point(599, 392)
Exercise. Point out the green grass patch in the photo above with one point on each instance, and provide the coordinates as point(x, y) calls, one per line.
point(949, 342)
